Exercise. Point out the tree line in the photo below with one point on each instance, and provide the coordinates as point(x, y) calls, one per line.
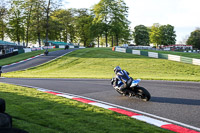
point(162, 35)
point(25, 21)
point(31, 21)
point(156, 34)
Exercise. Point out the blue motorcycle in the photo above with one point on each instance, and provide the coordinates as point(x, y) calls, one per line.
point(134, 90)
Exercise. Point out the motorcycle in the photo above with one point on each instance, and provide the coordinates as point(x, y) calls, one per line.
point(134, 90)
point(46, 52)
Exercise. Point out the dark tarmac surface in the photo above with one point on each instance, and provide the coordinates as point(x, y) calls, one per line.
point(36, 61)
point(179, 101)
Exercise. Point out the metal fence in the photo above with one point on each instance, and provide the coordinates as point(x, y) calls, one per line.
point(159, 55)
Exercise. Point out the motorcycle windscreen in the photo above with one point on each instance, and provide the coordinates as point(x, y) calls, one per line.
point(135, 82)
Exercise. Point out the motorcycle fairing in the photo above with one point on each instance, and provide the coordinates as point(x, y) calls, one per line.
point(135, 82)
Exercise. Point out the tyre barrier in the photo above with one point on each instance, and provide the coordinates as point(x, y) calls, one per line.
point(9, 117)
point(6, 120)
point(2, 105)
point(12, 130)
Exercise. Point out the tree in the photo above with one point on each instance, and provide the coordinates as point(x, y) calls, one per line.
point(119, 22)
point(48, 7)
point(3, 14)
point(155, 34)
point(112, 15)
point(194, 39)
point(141, 35)
point(97, 31)
point(66, 25)
point(102, 13)
point(28, 7)
point(37, 21)
point(83, 25)
point(162, 34)
point(168, 36)
point(15, 24)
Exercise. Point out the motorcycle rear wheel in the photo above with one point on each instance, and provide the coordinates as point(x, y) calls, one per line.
point(143, 94)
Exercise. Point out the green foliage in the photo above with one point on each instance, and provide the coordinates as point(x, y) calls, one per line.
point(43, 20)
point(66, 24)
point(37, 22)
point(15, 24)
point(84, 25)
point(112, 15)
point(141, 35)
point(168, 36)
point(194, 39)
point(3, 15)
point(155, 34)
point(162, 34)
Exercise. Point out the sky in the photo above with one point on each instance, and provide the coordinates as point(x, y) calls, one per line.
point(182, 14)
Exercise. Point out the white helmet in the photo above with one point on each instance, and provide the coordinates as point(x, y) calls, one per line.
point(117, 69)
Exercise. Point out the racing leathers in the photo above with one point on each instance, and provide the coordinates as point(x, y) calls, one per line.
point(125, 83)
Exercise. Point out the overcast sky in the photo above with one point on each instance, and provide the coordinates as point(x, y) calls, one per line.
point(182, 14)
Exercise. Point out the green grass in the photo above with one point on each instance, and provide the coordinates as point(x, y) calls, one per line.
point(23, 56)
point(38, 112)
point(99, 63)
point(190, 55)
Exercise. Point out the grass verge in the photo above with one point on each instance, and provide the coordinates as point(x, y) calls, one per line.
point(38, 112)
point(99, 63)
point(23, 56)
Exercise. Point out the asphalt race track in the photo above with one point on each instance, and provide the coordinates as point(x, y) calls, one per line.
point(179, 101)
point(36, 61)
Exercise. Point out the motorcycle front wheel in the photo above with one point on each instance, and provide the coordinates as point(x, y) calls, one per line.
point(143, 93)
point(119, 92)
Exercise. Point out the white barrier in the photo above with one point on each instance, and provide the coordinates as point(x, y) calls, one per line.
point(48, 47)
point(156, 55)
point(71, 46)
point(61, 46)
point(121, 50)
point(153, 54)
point(196, 61)
point(136, 52)
point(26, 50)
point(174, 57)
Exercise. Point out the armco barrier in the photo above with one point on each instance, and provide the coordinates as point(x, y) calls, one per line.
point(120, 50)
point(174, 57)
point(145, 53)
point(71, 46)
point(153, 54)
point(136, 52)
point(159, 55)
point(186, 60)
point(196, 61)
point(128, 50)
point(163, 56)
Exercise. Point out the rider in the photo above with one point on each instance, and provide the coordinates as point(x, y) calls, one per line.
point(46, 51)
point(122, 75)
